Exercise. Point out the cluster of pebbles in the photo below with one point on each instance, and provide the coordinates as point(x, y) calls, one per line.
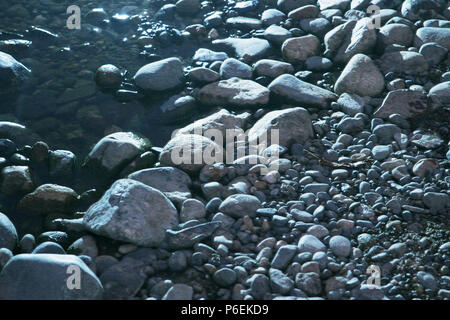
point(361, 180)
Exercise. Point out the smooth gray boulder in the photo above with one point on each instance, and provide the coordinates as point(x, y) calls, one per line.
point(49, 198)
point(432, 34)
point(114, 152)
point(360, 76)
point(235, 92)
point(441, 93)
point(232, 67)
point(133, 212)
point(299, 49)
point(250, 49)
point(221, 120)
point(160, 75)
point(12, 72)
point(294, 125)
point(165, 179)
point(295, 90)
point(406, 62)
point(240, 205)
point(350, 38)
point(190, 152)
point(404, 102)
point(272, 68)
point(8, 233)
point(48, 277)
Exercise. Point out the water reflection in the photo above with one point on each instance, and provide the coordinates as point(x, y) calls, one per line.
point(60, 101)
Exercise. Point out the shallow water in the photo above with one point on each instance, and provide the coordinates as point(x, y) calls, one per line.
point(61, 102)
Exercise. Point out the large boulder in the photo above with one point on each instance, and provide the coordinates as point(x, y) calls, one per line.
point(222, 120)
point(361, 77)
point(114, 152)
point(240, 205)
point(404, 102)
point(20, 134)
point(417, 9)
point(249, 50)
point(12, 72)
point(48, 277)
point(406, 62)
point(295, 90)
point(16, 180)
point(234, 91)
point(441, 93)
point(189, 152)
point(49, 198)
point(177, 108)
point(297, 50)
point(272, 68)
point(8, 233)
point(395, 33)
point(294, 125)
point(432, 34)
point(160, 75)
point(350, 38)
point(133, 212)
point(166, 179)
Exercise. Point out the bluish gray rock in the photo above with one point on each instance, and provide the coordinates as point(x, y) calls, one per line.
point(429, 34)
point(309, 243)
point(12, 72)
point(340, 246)
point(234, 91)
point(360, 76)
point(293, 125)
point(49, 247)
point(234, 68)
point(48, 277)
point(283, 256)
point(239, 205)
point(292, 89)
point(250, 49)
point(160, 75)
point(8, 233)
point(131, 211)
point(113, 152)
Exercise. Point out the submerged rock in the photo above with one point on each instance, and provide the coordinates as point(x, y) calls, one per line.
point(160, 75)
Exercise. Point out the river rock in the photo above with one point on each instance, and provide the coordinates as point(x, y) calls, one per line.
point(299, 49)
point(48, 277)
point(294, 125)
point(289, 87)
point(187, 152)
point(234, 91)
point(361, 77)
point(249, 49)
point(160, 75)
point(131, 211)
point(12, 72)
point(404, 102)
point(405, 62)
point(8, 233)
point(49, 198)
point(113, 152)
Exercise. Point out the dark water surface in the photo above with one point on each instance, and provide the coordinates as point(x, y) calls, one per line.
point(61, 102)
